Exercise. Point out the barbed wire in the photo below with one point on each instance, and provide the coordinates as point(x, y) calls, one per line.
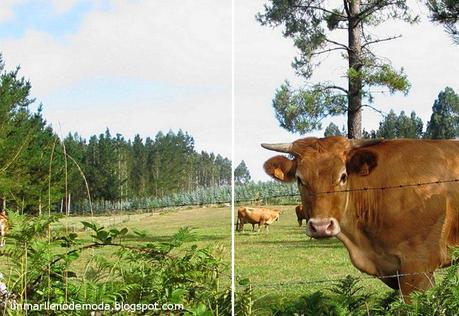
point(390, 187)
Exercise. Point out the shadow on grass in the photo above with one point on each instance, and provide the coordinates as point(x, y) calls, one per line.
point(166, 238)
point(310, 243)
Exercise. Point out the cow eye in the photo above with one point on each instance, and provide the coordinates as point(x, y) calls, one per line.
point(343, 178)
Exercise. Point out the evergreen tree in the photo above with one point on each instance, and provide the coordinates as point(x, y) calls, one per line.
point(76, 147)
point(224, 170)
point(138, 176)
point(241, 173)
point(388, 127)
point(313, 26)
point(171, 153)
point(444, 121)
point(25, 147)
point(446, 12)
point(409, 127)
point(400, 126)
point(332, 130)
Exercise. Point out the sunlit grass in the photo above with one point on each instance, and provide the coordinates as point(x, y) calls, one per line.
point(210, 227)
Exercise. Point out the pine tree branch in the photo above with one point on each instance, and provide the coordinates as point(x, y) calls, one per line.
point(336, 88)
point(320, 9)
point(381, 40)
point(327, 51)
point(337, 44)
point(378, 5)
point(24, 143)
point(374, 109)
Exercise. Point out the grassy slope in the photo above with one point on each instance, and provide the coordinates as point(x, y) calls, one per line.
point(275, 261)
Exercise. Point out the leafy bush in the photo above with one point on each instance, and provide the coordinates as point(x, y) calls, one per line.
point(243, 305)
point(441, 300)
point(348, 297)
point(42, 264)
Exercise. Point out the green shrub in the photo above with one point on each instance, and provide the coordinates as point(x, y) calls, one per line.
point(348, 297)
point(41, 262)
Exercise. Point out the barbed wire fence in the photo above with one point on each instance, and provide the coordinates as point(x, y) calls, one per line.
point(248, 193)
point(361, 276)
point(262, 193)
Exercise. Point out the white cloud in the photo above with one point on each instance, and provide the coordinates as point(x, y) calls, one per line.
point(177, 42)
point(63, 6)
point(6, 9)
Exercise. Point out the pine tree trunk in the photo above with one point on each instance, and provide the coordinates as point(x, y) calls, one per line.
point(68, 204)
point(354, 115)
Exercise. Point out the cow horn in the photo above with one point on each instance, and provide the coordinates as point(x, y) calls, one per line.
point(283, 148)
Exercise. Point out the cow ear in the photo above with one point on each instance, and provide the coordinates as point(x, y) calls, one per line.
point(281, 168)
point(361, 162)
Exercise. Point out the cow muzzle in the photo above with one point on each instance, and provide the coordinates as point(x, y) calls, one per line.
point(322, 227)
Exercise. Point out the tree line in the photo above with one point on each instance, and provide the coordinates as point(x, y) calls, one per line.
point(443, 123)
point(116, 168)
point(40, 172)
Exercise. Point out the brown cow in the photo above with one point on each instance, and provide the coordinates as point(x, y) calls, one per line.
point(387, 229)
point(301, 214)
point(3, 227)
point(260, 216)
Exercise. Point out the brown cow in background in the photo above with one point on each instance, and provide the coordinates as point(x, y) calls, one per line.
point(253, 215)
point(301, 214)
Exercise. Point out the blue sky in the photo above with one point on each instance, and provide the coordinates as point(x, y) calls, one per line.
point(131, 66)
point(43, 16)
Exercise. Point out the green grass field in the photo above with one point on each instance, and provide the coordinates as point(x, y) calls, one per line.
point(284, 263)
point(211, 227)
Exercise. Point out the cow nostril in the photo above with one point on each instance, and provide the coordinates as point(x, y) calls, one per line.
point(330, 226)
point(312, 228)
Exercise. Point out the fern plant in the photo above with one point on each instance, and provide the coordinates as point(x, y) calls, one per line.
point(41, 263)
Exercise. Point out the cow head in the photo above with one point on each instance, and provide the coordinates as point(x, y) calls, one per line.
point(321, 167)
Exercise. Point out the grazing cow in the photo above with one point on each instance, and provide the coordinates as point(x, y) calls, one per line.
point(379, 198)
point(3, 227)
point(260, 216)
point(301, 214)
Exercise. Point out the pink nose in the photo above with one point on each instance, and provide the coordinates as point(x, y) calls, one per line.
point(322, 227)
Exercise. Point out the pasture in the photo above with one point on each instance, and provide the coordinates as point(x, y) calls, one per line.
point(284, 264)
point(209, 225)
point(145, 263)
